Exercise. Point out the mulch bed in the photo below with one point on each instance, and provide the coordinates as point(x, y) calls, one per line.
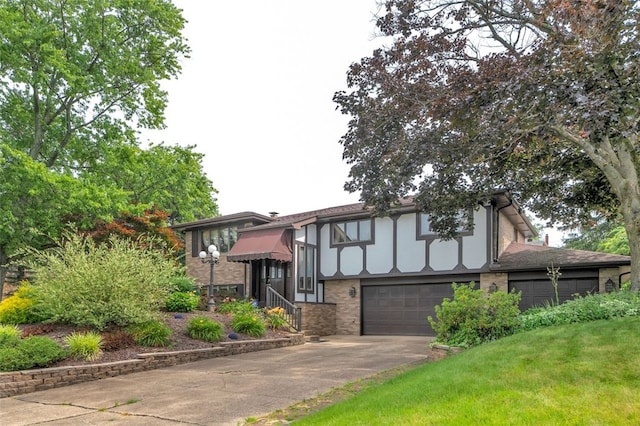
point(179, 339)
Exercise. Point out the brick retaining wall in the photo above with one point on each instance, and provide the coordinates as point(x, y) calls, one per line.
point(26, 381)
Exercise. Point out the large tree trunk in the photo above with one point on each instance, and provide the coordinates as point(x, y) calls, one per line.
point(631, 214)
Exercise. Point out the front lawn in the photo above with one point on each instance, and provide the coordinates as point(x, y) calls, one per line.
point(577, 374)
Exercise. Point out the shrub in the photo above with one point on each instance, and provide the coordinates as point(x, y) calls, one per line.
point(275, 318)
point(203, 328)
point(9, 334)
point(19, 308)
point(85, 345)
point(249, 324)
point(474, 316)
point(91, 285)
point(182, 302)
point(32, 352)
point(183, 284)
point(113, 340)
point(150, 333)
point(236, 307)
point(592, 307)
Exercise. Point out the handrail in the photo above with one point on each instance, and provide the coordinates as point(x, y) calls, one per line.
point(292, 314)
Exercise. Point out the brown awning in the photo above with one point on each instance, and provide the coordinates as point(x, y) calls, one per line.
point(271, 243)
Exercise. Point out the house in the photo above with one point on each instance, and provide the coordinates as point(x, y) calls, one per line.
point(351, 273)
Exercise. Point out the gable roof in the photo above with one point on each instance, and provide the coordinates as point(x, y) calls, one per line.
point(521, 257)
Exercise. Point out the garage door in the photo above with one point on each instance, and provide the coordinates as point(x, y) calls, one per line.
point(537, 290)
point(401, 309)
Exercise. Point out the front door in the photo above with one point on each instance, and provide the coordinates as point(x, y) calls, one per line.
point(267, 271)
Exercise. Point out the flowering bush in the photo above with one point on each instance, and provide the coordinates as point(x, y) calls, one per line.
point(276, 318)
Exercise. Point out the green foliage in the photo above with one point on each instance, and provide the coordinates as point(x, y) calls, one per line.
point(275, 318)
point(236, 307)
point(183, 284)
point(19, 307)
point(85, 284)
point(32, 352)
point(473, 316)
point(622, 303)
point(182, 302)
point(9, 334)
point(150, 333)
point(605, 236)
point(248, 323)
point(204, 328)
point(86, 346)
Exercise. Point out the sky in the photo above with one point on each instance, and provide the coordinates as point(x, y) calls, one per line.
point(255, 97)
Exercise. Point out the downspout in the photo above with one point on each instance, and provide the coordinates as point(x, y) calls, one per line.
point(497, 242)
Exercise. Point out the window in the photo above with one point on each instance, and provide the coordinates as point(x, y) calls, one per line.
point(306, 269)
point(424, 225)
point(351, 232)
point(223, 238)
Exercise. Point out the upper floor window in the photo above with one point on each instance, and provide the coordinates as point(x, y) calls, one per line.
point(351, 231)
point(223, 238)
point(425, 230)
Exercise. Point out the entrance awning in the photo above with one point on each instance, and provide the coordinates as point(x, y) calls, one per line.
point(271, 243)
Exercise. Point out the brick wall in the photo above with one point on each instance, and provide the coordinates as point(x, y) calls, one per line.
point(225, 273)
point(501, 279)
point(318, 318)
point(347, 307)
point(26, 381)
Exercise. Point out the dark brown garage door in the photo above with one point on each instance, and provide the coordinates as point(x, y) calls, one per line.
point(401, 309)
point(537, 290)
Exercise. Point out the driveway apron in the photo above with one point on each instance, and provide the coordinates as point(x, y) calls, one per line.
point(219, 391)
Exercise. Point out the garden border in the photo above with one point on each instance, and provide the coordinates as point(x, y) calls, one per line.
point(26, 381)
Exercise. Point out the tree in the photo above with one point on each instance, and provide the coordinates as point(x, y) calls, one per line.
point(540, 97)
point(606, 237)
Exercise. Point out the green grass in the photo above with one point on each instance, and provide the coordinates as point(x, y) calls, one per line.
point(580, 374)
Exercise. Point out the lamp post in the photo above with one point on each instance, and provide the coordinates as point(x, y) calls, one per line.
point(211, 258)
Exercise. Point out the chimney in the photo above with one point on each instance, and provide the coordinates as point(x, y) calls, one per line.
point(273, 214)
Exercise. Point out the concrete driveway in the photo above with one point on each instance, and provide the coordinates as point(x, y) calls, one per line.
point(219, 391)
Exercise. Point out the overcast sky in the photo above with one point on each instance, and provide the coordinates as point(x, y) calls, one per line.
point(256, 98)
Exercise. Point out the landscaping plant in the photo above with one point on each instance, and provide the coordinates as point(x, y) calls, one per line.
point(248, 323)
point(474, 316)
point(182, 302)
point(9, 334)
point(85, 345)
point(233, 306)
point(204, 328)
point(275, 318)
point(31, 352)
point(151, 333)
point(114, 283)
point(19, 307)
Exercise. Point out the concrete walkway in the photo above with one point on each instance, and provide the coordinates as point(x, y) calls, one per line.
point(220, 391)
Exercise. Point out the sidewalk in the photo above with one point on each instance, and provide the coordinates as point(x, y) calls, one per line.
point(219, 391)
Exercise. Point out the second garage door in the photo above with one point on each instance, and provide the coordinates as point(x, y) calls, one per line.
point(537, 289)
point(401, 309)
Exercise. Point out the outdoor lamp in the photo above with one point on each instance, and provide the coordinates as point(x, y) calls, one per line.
point(211, 258)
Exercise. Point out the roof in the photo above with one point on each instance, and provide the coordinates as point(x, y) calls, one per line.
point(229, 218)
point(273, 243)
point(521, 257)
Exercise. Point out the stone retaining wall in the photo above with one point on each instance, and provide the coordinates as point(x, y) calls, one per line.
point(26, 381)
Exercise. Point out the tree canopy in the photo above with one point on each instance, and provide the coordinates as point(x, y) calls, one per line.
point(540, 97)
point(78, 79)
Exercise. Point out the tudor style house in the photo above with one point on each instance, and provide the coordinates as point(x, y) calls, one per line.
point(347, 272)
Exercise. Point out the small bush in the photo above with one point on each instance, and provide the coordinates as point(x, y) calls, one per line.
point(182, 302)
point(183, 284)
point(113, 340)
point(32, 352)
point(19, 308)
point(474, 316)
point(275, 318)
point(150, 333)
point(86, 346)
point(206, 329)
point(249, 324)
point(9, 334)
point(236, 307)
